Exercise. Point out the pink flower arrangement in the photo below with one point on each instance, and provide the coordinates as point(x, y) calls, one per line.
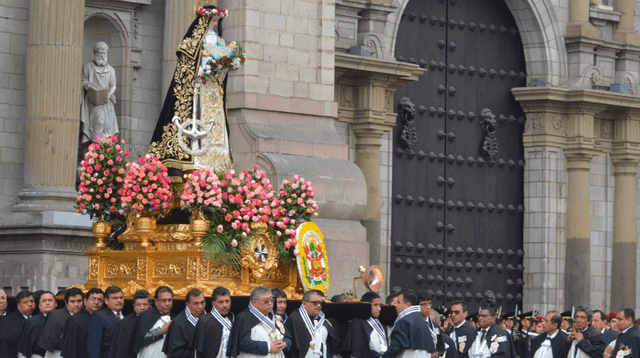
point(232, 200)
point(101, 177)
point(145, 187)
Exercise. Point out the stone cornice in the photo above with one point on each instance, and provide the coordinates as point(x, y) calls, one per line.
point(390, 71)
point(580, 119)
point(531, 95)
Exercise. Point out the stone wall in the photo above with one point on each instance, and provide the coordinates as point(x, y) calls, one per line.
point(13, 58)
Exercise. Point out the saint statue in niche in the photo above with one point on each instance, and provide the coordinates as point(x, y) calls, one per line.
point(98, 115)
point(192, 130)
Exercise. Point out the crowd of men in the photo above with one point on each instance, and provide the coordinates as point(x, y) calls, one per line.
point(92, 325)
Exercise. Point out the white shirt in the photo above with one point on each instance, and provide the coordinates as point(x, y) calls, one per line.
point(118, 314)
point(545, 348)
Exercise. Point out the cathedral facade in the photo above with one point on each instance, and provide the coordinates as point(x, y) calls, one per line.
point(348, 94)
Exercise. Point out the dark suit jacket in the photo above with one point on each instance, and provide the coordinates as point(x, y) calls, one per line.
point(609, 336)
point(469, 333)
point(506, 349)
point(559, 345)
point(177, 342)
point(520, 341)
point(101, 328)
point(451, 352)
point(10, 331)
point(592, 343)
point(629, 341)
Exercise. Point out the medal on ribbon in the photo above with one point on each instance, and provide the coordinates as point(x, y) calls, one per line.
point(310, 327)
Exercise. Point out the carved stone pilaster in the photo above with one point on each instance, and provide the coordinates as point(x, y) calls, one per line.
point(365, 90)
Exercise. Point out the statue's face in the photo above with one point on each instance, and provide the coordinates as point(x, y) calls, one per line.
point(100, 57)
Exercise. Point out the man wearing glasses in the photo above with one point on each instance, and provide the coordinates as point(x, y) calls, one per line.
point(256, 331)
point(462, 333)
point(491, 340)
point(313, 336)
point(77, 327)
point(153, 324)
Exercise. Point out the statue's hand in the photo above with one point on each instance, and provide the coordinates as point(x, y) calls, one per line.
point(113, 99)
point(206, 53)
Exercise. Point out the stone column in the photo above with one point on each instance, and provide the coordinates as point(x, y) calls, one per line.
point(579, 20)
point(53, 107)
point(625, 31)
point(370, 124)
point(578, 249)
point(579, 152)
point(178, 15)
point(625, 158)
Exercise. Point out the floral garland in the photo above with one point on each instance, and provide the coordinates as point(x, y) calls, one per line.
point(145, 187)
point(231, 201)
point(298, 203)
point(202, 11)
point(101, 177)
point(231, 62)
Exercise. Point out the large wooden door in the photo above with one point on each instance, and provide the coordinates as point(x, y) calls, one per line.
point(457, 203)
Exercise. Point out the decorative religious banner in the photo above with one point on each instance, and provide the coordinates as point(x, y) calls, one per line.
point(313, 264)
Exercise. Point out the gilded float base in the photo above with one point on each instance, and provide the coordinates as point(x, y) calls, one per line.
point(174, 258)
point(181, 270)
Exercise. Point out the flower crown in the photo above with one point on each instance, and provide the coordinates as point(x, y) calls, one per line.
point(213, 12)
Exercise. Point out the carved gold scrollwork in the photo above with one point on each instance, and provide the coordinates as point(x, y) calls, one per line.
point(192, 268)
point(260, 254)
point(93, 269)
point(169, 268)
point(142, 268)
point(122, 268)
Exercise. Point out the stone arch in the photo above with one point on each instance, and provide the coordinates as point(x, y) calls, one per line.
point(540, 30)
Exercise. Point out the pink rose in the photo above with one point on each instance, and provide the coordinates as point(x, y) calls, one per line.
point(220, 228)
point(234, 243)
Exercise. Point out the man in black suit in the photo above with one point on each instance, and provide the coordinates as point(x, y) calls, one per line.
point(553, 342)
point(444, 344)
point(177, 343)
point(410, 332)
point(586, 341)
point(3, 305)
point(11, 327)
point(123, 335)
point(462, 333)
point(51, 337)
point(104, 322)
point(211, 337)
point(627, 344)
point(491, 340)
point(600, 322)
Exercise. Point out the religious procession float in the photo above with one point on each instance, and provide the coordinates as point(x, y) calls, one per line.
point(181, 216)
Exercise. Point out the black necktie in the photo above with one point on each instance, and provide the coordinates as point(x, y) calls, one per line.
point(484, 333)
